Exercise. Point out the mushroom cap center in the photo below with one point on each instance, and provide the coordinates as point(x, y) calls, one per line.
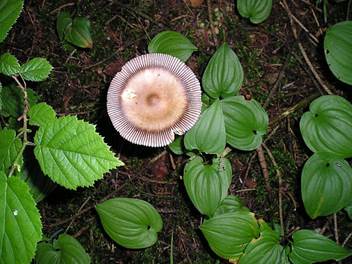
point(153, 99)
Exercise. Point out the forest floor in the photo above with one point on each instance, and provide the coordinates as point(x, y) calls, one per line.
point(276, 74)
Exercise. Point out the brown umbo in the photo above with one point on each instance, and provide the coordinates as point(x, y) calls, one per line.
point(152, 98)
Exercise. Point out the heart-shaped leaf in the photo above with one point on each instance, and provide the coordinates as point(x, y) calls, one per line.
point(310, 247)
point(256, 10)
point(229, 234)
point(10, 10)
point(208, 134)
point(327, 127)
point(72, 153)
point(40, 114)
point(131, 223)
point(207, 185)
point(266, 249)
point(223, 75)
point(172, 43)
point(78, 33)
point(20, 225)
point(230, 204)
point(64, 250)
point(246, 122)
point(10, 146)
point(9, 64)
point(326, 185)
point(36, 70)
point(338, 50)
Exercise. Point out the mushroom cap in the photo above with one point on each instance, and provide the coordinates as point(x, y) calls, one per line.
point(152, 98)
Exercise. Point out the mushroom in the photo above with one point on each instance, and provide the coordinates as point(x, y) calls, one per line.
point(152, 98)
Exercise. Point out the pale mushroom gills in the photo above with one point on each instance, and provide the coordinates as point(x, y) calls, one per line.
point(152, 98)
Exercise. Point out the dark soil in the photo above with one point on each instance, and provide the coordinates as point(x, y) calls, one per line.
point(273, 65)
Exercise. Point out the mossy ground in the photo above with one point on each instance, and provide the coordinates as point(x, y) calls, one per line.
point(122, 30)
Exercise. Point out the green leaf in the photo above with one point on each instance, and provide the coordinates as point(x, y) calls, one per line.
point(64, 250)
point(10, 146)
point(78, 33)
point(37, 69)
point(63, 22)
point(326, 185)
point(208, 134)
point(177, 146)
point(223, 75)
point(246, 122)
point(338, 50)
point(327, 127)
point(172, 43)
point(207, 185)
point(10, 10)
point(72, 153)
point(266, 249)
point(348, 210)
point(40, 114)
point(256, 10)
point(132, 223)
point(9, 64)
point(20, 225)
point(230, 204)
point(310, 247)
point(0, 97)
point(229, 234)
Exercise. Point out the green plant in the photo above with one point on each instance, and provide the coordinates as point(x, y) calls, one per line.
point(256, 10)
point(232, 231)
point(75, 31)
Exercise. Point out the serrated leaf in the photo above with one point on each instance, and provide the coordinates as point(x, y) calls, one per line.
point(20, 225)
point(310, 247)
point(10, 146)
point(9, 64)
point(229, 234)
point(208, 134)
point(0, 97)
point(72, 153)
point(207, 185)
point(326, 185)
point(36, 70)
point(13, 104)
point(9, 12)
point(265, 249)
point(132, 223)
point(246, 122)
point(63, 21)
point(223, 75)
point(40, 114)
point(230, 204)
point(64, 250)
point(78, 33)
point(327, 127)
point(256, 10)
point(338, 50)
point(172, 43)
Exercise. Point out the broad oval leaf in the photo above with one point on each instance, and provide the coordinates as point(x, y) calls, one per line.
point(246, 122)
point(64, 250)
point(207, 185)
point(40, 114)
point(326, 185)
point(9, 64)
point(36, 70)
point(177, 146)
point(265, 249)
point(10, 147)
point(79, 33)
point(327, 127)
point(10, 10)
point(310, 247)
point(223, 75)
point(72, 153)
point(172, 43)
point(256, 10)
point(20, 225)
point(348, 210)
point(230, 204)
point(132, 223)
point(338, 50)
point(229, 234)
point(63, 21)
point(208, 134)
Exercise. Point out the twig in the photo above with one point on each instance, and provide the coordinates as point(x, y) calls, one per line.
point(347, 238)
point(264, 167)
point(79, 210)
point(61, 7)
point(336, 231)
point(279, 176)
point(215, 39)
point(348, 9)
